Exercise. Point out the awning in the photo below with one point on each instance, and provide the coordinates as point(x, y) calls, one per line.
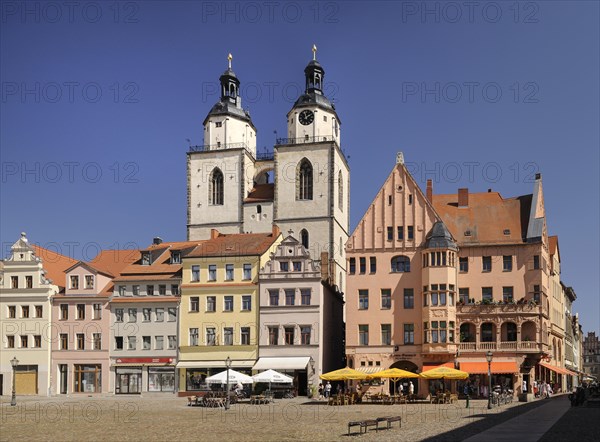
point(369, 369)
point(213, 364)
point(496, 368)
point(148, 364)
point(555, 369)
point(282, 363)
point(431, 365)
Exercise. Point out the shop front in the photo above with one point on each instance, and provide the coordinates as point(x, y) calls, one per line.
point(140, 375)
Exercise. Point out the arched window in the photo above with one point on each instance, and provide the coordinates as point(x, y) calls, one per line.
point(304, 238)
point(259, 209)
point(400, 264)
point(487, 332)
point(509, 332)
point(340, 191)
point(304, 180)
point(215, 191)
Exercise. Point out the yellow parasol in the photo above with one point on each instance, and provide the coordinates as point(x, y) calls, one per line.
point(442, 372)
point(343, 374)
point(394, 374)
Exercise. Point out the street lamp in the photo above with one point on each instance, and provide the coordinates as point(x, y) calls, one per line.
point(14, 362)
point(227, 365)
point(489, 356)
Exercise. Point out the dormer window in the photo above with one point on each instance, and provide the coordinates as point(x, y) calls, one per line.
point(218, 124)
point(506, 231)
point(146, 259)
point(175, 257)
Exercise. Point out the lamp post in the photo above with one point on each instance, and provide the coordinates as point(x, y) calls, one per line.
point(227, 365)
point(14, 362)
point(488, 356)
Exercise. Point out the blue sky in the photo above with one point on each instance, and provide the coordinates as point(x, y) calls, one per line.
point(99, 98)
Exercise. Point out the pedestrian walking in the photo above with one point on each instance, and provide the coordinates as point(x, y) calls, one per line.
point(328, 389)
point(320, 390)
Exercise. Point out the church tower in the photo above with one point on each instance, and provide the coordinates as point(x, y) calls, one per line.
point(312, 177)
point(220, 172)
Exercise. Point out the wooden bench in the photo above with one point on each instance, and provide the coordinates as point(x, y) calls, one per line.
point(364, 425)
point(389, 420)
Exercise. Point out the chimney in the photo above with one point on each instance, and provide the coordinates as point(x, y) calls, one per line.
point(463, 197)
point(275, 231)
point(214, 233)
point(157, 240)
point(430, 191)
point(538, 176)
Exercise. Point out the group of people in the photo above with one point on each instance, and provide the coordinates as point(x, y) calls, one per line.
point(325, 390)
point(542, 389)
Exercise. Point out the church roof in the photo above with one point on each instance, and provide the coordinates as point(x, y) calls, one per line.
point(228, 108)
point(239, 244)
point(439, 237)
point(261, 193)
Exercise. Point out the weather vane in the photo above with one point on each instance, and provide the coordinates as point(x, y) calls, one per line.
point(314, 49)
point(229, 58)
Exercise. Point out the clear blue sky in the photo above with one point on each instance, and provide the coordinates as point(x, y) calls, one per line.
point(98, 100)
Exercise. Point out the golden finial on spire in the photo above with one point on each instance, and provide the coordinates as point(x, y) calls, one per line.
point(314, 49)
point(229, 58)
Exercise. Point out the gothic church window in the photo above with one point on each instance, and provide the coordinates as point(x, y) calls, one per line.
point(304, 181)
point(216, 187)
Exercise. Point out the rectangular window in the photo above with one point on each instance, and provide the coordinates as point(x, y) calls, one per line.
point(228, 272)
point(193, 339)
point(172, 314)
point(463, 294)
point(29, 282)
point(37, 341)
point(284, 266)
point(146, 313)
point(386, 334)
point(246, 303)
point(162, 289)
point(97, 341)
point(211, 336)
point(273, 335)
point(118, 315)
point(289, 335)
point(39, 311)
point(409, 334)
point(80, 341)
point(24, 311)
point(172, 339)
point(24, 341)
point(195, 273)
point(486, 294)
point(409, 298)
point(136, 290)
point(118, 342)
point(305, 296)
point(74, 282)
point(228, 336)
point(400, 233)
point(373, 264)
point(305, 334)
point(211, 303)
point(175, 257)
point(97, 311)
point(80, 311)
point(228, 304)
point(352, 266)
point(10, 341)
point(160, 314)
point(194, 304)
point(247, 271)
point(212, 272)
point(159, 342)
point(390, 233)
point(14, 282)
point(463, 265)
point(536, 293)
point(434, 332)
point(290, 296)
point(150, 290)
point(507, 294)
point(536, 262)
point(363, 334)
point(89, 281)
point(121, 290)
point(64, 341)
point(442, 298)
point(174, 289)
point(12, 311)
point(386, 299)
point(131, 342)
point(297, 266)
point(363, 299)
point(132, 315)
point(410, 233)
point(273, 297)
point(363, 265)
point(486, 263)
point(507, 263)
point(245, 335)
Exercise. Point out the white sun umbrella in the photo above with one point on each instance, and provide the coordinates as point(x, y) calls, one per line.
point(272, 376)
point(234, 378)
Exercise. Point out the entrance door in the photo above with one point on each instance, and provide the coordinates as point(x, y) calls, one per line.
point(1, 384)
point(129, 383)
point(26, 382)
point(63, 376)
point(302, 380)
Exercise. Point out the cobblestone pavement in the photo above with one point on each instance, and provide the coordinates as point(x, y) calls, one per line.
point(165, 417)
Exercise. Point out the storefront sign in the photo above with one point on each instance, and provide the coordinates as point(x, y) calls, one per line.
point(144, 360)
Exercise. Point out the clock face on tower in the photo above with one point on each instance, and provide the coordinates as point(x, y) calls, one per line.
point(306, 117)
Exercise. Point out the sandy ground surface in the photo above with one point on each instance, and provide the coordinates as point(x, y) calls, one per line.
point(165, 417)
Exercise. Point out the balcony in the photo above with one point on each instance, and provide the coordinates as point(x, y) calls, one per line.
point(305, 140)
point(508, 346)
point(211, 147)
point(527, 308)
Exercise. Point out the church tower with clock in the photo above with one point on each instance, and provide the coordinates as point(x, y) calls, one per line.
point(229, 186)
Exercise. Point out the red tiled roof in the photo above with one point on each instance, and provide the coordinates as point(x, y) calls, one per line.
point(487, 217)
point(260, 193)
point(54, 264)
point(113, 261)
point(148, 277)
point(145, 299)
point(239, 244)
